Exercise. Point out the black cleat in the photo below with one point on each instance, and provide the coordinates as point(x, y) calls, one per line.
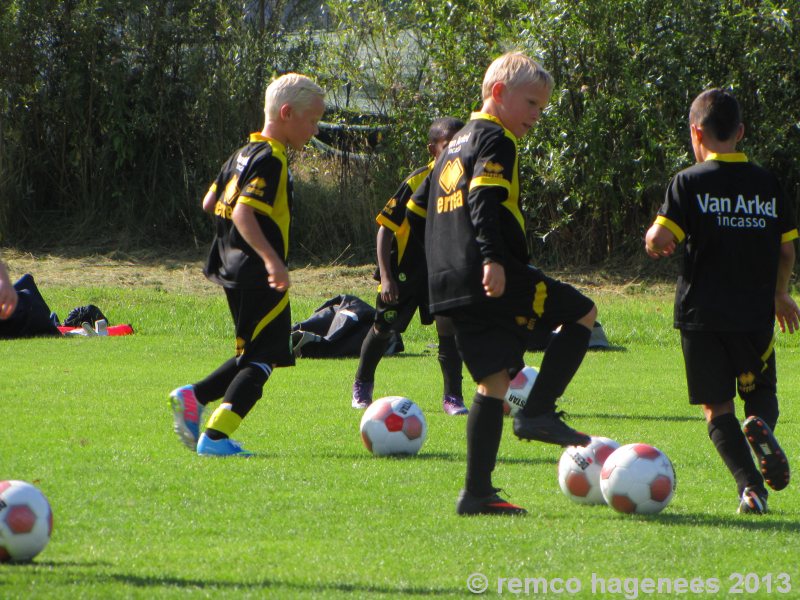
point(753, 501)
point(467, 504)
point(549, 428)
point(771, 459)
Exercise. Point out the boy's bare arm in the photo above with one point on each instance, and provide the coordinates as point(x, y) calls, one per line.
point(659, 241)
point(786, 309)
point(245, 221)
point(389, 289)
point(210, 201)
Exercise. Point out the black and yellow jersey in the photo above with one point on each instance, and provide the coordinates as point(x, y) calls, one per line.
point(408, 255)
point(733, 217)
point(256, 175)
point(472, 213)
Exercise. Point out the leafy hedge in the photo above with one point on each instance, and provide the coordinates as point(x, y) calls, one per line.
point(114, 116)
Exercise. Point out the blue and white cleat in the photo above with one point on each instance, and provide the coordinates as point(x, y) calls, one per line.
point(224, 447)
point(187, 413)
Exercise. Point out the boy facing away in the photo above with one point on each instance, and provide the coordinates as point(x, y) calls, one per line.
point(251, 201)
point(737, 263)
point(479, 276)
point(404, 286)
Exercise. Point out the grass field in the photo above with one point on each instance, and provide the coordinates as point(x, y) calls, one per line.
point(313, 515)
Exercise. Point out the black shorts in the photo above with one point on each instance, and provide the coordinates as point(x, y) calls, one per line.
point(492, 335)
point(263, 323)
point(412, 296)
point(721, 364)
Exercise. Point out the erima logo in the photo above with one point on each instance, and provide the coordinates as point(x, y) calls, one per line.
point(404, 407)
point(582, 461)
point(450, 175)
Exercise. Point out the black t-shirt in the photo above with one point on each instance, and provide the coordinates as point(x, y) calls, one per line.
point(408, 255)
point(472, 213)
point(255, 175)
point(734, 219)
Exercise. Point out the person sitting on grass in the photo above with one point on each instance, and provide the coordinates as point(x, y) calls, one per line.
point(404, 287)
point(739, 257)
point(251, 201)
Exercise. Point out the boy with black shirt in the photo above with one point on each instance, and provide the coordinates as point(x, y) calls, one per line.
point(251, 201)
point(404, 286)
point(738, 260)
point(478, 275)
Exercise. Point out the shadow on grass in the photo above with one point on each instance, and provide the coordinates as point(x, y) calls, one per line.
point(762, 523)
point(457, 457)
point(277, 584)
point(674, 418)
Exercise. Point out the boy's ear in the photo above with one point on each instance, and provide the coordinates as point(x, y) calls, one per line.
point(697, 133)
point(498, 88)
point(432, 149)
point(286, 112)
point(739, 132)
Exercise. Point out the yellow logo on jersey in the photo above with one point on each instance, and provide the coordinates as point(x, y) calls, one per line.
point(450, 175)
point(493, 169)
point(747, 382)
point(256, 187)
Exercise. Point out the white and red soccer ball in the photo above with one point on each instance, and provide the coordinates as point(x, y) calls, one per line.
point(579, 470)
point(518, 390)
point(637, 478)
point(393, 425)
point(26, 521)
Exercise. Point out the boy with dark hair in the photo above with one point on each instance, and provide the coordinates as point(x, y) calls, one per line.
point(479, 276)
point(738, 260)
point(404, 286)
point(251, 201)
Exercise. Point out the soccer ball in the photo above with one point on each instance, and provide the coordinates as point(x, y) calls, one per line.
point(26, 521)
point(393, 425)
point(637, 478)
point(518, 390)
point(579, 470)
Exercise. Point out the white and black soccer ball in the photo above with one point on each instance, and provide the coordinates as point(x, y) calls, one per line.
point(518, 390)
point(579, 470)
point(393, 425)
point(26, 521)
point(637, 478)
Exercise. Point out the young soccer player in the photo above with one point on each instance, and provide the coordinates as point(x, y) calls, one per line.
point(251, 201)
point(8, 295)
point(737, 263)
point(479, 276)
point(404, 287)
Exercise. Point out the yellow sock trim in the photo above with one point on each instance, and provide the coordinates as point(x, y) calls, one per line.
point(225, 420)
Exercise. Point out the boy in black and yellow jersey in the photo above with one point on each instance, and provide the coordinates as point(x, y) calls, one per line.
point(479, 276)
point(251, 201)
point(739, 257)
point(404, 287)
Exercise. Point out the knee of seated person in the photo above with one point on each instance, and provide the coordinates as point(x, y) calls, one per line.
point(382, 331)
point(589, 318)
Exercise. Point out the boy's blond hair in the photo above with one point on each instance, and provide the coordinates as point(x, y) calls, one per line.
point(514, 69)
point(296, 90)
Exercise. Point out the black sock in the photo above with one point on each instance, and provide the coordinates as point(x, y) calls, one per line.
point(213, 387)
point(560, 362)
point(372, 349)
point(766, 408)
point(484, 431)
point(726, 434)
point(246, 388)
point(450, 362)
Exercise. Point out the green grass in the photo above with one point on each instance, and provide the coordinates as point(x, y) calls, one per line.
point(313, 514)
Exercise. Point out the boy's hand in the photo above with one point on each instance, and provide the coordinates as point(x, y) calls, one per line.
point(278, 276)
point(659, 241)
point(787, 312)
point(8, 300)
point(494, 279)
point(390, 291)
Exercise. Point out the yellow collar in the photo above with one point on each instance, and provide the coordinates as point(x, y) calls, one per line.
point(258, 137)
point(728, 157)
point(493, 119)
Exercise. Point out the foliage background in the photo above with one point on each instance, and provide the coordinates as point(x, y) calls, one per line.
point(115, 116)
